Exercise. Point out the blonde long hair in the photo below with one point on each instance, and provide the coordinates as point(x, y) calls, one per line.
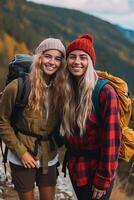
point(78, 100)
point(38, 97)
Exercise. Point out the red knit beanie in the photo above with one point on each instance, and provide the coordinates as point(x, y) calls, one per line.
point(84, 43)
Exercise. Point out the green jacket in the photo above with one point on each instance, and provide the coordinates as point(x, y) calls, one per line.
point(30, 121)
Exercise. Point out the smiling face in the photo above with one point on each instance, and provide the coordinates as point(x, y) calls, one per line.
point(77, 63)
point(51, 61)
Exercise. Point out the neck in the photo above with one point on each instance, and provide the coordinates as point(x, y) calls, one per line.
point(48, 80)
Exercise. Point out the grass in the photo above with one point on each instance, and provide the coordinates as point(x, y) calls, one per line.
point(120, 194)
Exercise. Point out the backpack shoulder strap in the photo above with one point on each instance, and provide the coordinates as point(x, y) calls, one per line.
point(20, 103)
point(23, 91)
point(21, 98)
point(95, 97)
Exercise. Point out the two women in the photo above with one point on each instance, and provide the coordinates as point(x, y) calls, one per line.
point(41, 117)
point(92, 148)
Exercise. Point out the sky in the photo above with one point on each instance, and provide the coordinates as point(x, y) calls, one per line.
point(119, 12)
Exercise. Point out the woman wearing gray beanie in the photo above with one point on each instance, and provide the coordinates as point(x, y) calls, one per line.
point(33, 151)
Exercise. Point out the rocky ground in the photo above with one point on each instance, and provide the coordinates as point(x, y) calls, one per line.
point(64, 188)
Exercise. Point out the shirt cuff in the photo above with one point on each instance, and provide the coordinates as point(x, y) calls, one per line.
point(101, 182)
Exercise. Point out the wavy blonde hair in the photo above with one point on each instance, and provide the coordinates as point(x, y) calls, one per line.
point(78, 100)
point(38, 97)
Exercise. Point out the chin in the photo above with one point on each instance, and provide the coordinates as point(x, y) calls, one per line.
point(50, 73)
point(76, 74)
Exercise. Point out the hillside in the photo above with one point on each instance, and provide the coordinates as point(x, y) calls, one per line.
point(24, 24)
point(128, 33)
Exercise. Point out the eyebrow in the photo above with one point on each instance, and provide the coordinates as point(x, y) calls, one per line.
point(78, 55)
point(52, 55)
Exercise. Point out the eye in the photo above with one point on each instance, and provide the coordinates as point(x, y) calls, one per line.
point(58, 59)
point(72, 57)
point(47, 56)
point(83, 57)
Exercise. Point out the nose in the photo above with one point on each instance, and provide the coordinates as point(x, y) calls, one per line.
point(52, 60)
point(77, 60)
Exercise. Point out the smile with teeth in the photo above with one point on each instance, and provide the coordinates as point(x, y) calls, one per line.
point(49, 67)
point(77, 67)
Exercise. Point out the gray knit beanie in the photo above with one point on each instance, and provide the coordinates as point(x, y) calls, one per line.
point(51, 43)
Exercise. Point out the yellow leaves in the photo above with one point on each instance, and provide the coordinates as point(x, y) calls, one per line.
point(124, 56)
point(1, 46)
point(9, 47)
point(22, 48)
point(10, 4)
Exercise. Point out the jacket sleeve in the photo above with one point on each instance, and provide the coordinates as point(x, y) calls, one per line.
point(7, 133)
point(110, 138)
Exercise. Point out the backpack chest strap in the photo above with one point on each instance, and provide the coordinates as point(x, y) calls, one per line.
point(39, 139)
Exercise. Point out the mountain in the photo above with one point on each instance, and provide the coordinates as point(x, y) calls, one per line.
point(24, 24)
point(127, 33)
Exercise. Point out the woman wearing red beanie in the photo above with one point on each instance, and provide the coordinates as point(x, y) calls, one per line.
point(92, 148)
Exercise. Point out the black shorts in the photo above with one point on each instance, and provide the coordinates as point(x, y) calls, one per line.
point(24, 179)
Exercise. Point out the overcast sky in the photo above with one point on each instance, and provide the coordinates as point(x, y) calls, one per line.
point(116, 11)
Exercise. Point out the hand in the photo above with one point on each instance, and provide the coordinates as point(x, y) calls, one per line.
point(97, 194)
point(28, 161)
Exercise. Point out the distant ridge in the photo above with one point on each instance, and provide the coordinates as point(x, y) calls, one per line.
point(24, 24)
point(127, 33)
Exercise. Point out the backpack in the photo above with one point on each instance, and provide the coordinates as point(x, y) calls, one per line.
point(19, 67)
point(121, 88)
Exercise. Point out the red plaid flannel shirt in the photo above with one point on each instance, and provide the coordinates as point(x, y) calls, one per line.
point(102, 142)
